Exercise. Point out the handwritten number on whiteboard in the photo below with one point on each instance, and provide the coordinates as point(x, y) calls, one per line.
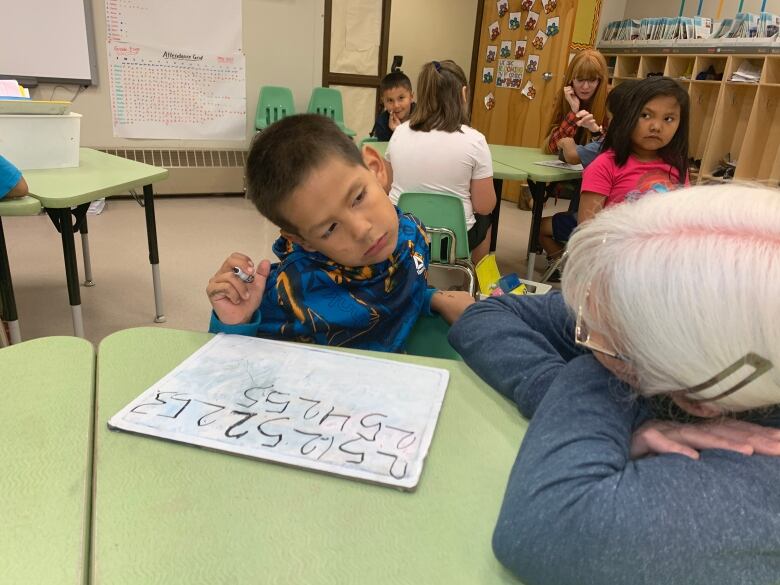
point(284, 404)
point(377, 426)
point(407, 439)
point(330, 414)
point(359, 453)
point(308, 415)
point(253, 401)
point(277, 436)
point(398, 473)
point(306, 449)
point(202, 420)
point(245, 417)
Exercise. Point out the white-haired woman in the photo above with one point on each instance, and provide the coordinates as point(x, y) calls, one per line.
point(670, 312)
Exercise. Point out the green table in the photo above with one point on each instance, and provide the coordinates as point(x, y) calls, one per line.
point(501, 172)
point(98, 175)
point(177, 514)
point(539, 178)
point(46, 451)
point(19, 206)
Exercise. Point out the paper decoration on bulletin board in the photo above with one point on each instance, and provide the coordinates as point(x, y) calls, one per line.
point(520, 49)
point(539, 40)
point(549, 6)
point(510, 73)
point(533, 63)
point(494, 30)
point(529, 91)
point(527, 4)
point(506, 49)
point(503, 7)
point(514, 20)
point(532, 20)
point(492, 51)
point(490, 101)
point(487, 74)
point(553, 26)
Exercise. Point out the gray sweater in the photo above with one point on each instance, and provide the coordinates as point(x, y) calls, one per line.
point(577, 509)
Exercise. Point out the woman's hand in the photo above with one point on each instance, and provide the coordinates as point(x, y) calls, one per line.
point(234, 300)
point(586, 120)
point(656, 437)
point(571, 97)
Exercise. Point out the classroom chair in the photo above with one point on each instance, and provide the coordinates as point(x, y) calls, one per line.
point(428, 338)
point(557, 265)
point(326, 101)
point(444, 220)
point(273, 104)
point(368, 139)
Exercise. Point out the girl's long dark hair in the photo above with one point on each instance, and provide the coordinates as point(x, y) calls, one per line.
point(618, 136)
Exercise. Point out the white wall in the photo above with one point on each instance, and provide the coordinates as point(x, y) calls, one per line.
point(645, 9)
point(282, 40)
point(424, 30)
point(611, 10)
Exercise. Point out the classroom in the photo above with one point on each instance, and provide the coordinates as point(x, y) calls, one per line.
point(383, 291)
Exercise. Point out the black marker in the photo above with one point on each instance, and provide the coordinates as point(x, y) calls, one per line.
point(243, 275)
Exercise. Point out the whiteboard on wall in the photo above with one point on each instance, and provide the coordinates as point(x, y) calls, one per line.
point(48, 41)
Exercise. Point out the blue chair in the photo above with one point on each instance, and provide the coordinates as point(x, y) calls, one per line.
point(326, 101)
point(273, 104)
point(445, 221)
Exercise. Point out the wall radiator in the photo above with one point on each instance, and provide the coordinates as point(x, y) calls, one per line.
point(192, 171)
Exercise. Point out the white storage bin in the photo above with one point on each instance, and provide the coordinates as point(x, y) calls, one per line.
point(40, 141)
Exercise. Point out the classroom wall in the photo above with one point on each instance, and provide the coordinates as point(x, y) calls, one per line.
point(611, 10)
point(433, 29)
point(282, 41)
point(645, 9)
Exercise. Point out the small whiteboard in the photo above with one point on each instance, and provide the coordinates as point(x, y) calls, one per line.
point(359, 417)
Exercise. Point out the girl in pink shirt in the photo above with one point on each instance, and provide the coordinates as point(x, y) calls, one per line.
point(645, 149)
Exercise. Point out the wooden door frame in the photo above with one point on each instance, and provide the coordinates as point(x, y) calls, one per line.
point(475, 47)
point(350, 79)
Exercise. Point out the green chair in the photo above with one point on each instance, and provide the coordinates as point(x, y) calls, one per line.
point(326, 101)
point(444, 220)
point(368, 139)
point(428, 338)
point(273, 104)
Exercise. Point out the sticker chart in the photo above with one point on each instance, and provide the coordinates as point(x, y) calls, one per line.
point(363, 418)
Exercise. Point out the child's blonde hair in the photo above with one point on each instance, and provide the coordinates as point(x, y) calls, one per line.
point(440, 104)
point(685, 285)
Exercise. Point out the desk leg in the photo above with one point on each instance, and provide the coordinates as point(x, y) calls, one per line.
point(498, 185)
point(154, 260)
point(62, 217)
point(85, 252)
point(537, 193)
point(7, 292)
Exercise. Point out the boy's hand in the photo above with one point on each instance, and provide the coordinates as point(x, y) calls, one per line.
point(234, 300)
point(451, 304)
point(656, 437)
point(586, 120)
point(571, 97)
point(394, 122)
point(569, 148)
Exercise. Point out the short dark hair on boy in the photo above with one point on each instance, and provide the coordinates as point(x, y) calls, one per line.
point(395, 79)
point(283, 156)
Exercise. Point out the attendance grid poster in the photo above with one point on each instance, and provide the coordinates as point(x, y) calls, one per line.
point(174, 74)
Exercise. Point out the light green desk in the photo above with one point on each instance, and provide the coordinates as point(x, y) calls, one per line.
point(98, 175)
point(18, 206)
point(177, 514)
point(46, 453)
point(539, 177)
point(501, 172)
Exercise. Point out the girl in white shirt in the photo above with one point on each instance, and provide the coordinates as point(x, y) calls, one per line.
point(436, 150)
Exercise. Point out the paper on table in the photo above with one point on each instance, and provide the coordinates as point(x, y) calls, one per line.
point(559, 164)
point(11, 88)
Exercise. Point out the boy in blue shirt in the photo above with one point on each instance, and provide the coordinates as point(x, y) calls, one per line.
point(398, 100)
point(12, 184)
point(352, 269)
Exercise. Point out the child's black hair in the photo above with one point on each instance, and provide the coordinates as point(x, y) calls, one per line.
point(624, 120)
point(283, 155)
point(395, 79)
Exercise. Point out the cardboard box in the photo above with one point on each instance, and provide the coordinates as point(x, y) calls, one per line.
point(40, 141)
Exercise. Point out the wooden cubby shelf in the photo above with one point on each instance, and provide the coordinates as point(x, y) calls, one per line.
point(729, 120)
